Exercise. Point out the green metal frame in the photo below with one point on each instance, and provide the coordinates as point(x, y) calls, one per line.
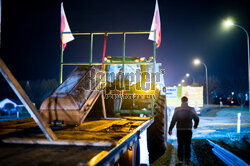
point(110, 63)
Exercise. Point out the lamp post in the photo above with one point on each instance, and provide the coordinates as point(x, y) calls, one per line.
point(188, 75)
point(198, 62)
point(228, 23)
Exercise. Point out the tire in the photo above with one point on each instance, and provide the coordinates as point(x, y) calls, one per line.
point(157, 132)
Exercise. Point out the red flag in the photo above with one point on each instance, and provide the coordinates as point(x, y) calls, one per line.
point(156, 27)
point(65, 28)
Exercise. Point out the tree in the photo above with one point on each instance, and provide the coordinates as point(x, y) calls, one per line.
point(214, 86)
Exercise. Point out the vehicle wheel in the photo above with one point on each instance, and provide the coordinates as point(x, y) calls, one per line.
point(157, 132)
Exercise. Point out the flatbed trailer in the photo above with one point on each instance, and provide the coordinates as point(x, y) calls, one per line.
point(63, 119)
point(100, 142)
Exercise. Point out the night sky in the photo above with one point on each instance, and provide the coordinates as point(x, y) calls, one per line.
point(190, 29)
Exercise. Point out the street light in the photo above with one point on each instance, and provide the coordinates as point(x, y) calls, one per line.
point(229, 23)
point(182, 81)
point(188, 75)
point(198, 62)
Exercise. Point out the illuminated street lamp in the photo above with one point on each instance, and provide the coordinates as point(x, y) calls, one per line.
point(229, 23)
point(179, 84)
point(188, 75)
point(182, 81)
point(198, 62)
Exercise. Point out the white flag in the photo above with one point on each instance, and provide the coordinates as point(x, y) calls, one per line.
point(156, 27)
point(65, 28)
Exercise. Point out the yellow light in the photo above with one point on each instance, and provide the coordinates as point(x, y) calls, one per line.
point(108, 60)
point(196, 61)
point(137, 60)
point(109, 57)
point(187, 75)
point(151, 58)
point(228, 23)
point(142, 59)
point(97, 158)
point(182, 81)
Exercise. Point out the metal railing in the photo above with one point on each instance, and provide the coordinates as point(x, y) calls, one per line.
point(92, 34)
point(226, 156)
point(62, 63)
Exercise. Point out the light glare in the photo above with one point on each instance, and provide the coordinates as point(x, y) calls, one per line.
point(197, 61)
point(228, 23)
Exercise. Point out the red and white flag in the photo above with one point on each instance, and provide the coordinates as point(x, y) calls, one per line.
point(67, 37)
point(156, 27)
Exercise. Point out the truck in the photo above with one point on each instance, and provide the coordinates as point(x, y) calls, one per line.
point(101, 114)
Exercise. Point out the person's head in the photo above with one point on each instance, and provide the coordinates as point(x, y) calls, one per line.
point(184, 99)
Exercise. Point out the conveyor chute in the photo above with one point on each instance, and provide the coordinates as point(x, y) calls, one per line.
point(73, 99)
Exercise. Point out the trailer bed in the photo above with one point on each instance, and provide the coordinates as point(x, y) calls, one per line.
point(78, 144)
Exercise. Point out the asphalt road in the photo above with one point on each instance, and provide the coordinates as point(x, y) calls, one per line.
point(219, 124)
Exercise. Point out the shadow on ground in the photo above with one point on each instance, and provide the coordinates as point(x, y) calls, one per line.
point(169, 157)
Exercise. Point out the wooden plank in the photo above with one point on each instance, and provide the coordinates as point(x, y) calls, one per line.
point(16, 87)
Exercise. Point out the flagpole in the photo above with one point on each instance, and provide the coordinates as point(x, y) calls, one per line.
point(155, 46)
point(61, 62)
point(65, 38)
point(61, 54)
point(153, 101)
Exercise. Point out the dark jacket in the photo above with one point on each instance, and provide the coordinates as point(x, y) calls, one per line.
point(183, 116)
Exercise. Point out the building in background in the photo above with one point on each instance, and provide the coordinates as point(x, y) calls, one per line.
point(194, 94)
point(12, 108)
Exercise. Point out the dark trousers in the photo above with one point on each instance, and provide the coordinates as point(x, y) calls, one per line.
point(184, 141)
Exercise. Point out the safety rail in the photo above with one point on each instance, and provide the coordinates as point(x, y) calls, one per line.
point(109, 63)
point(123, 62)
point(91, 34)
point(226, 156)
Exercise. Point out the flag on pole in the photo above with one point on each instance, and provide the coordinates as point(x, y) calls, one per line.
point(156, 27)
point(65, 28)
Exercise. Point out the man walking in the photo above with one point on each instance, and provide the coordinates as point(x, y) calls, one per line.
point(184, 115)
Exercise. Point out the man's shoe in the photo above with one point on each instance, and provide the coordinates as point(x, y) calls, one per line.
point(187, 161)
point(180, 162)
